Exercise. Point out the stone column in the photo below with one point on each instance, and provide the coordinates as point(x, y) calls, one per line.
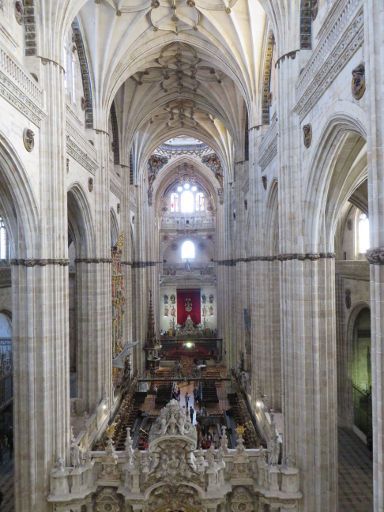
point(101, 366)
point(223, 281)
point(307, 321)
point(40, 321)
point(374, 41)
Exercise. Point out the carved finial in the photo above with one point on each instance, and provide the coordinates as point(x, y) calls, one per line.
point(240, 441)
point(224, 439)
point(73, 438)
point(128, 442)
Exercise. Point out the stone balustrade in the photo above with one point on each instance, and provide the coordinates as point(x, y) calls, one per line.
point(173, 471)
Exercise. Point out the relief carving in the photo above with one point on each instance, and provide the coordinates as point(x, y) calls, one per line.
point(107, 501)
point(358, 82)
point(307, 133)
point(19, 12)
point(28, 139)
point(376, 256)
point(241, 501)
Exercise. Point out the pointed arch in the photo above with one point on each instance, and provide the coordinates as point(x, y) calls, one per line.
point(339, 166)
point(114, 228)
point(80, 221)
point(17, 203)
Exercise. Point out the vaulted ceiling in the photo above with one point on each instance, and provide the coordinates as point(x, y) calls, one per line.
point(175, 66)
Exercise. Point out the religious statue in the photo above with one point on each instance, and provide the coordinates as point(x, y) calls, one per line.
point(273, 447)
point(188, 305)
point(75, 455)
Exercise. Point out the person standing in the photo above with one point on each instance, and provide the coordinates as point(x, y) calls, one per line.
point(186, 400)
point(191, 413)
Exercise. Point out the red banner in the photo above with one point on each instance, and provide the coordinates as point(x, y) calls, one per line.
point(188, 303)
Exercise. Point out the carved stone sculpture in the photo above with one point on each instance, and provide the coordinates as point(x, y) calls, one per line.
point(107, 501)
point(273, 450)
point(315, 9)
point(348, 299)
point(19, 12)
point(75, 455)
point(358, 82)
point(213, 162)
point(307, 133)
point(376, 256)
point(241, 500)
point(28, 139)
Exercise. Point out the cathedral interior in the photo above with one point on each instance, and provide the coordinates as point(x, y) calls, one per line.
point(191, 245)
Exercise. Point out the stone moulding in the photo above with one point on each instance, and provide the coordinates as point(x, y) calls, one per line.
point(39, 262)
point(93, 260)
point(376, 256)
point(144, 264)
point(330, 56)
point(80, 150)
point(268, 145)
point(281, 257)
point(81, 156)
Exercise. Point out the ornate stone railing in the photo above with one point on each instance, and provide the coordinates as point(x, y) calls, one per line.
point(341, 36)
point(19, 89)
point(268, 145)
point(173, 473)
point(187, 221)
point(78, 147)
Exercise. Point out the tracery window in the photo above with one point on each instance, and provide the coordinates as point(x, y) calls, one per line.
point(174, 202)
point(200, 202)
point(187, 198)
point(363, 233)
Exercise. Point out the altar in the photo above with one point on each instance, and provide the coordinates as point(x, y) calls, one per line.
point(175, 347)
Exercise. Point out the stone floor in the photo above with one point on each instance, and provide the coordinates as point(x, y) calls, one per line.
point(6, 485)
point(355, 474)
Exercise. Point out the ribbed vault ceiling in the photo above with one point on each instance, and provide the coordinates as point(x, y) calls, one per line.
point(176, 67)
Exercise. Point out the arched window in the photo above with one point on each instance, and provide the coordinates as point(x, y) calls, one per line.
point(200, 202)
point(3, 241)
point(186, 197)
point(363, 233)
point(174, 202)
point(188, 250)
point(187, 202)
